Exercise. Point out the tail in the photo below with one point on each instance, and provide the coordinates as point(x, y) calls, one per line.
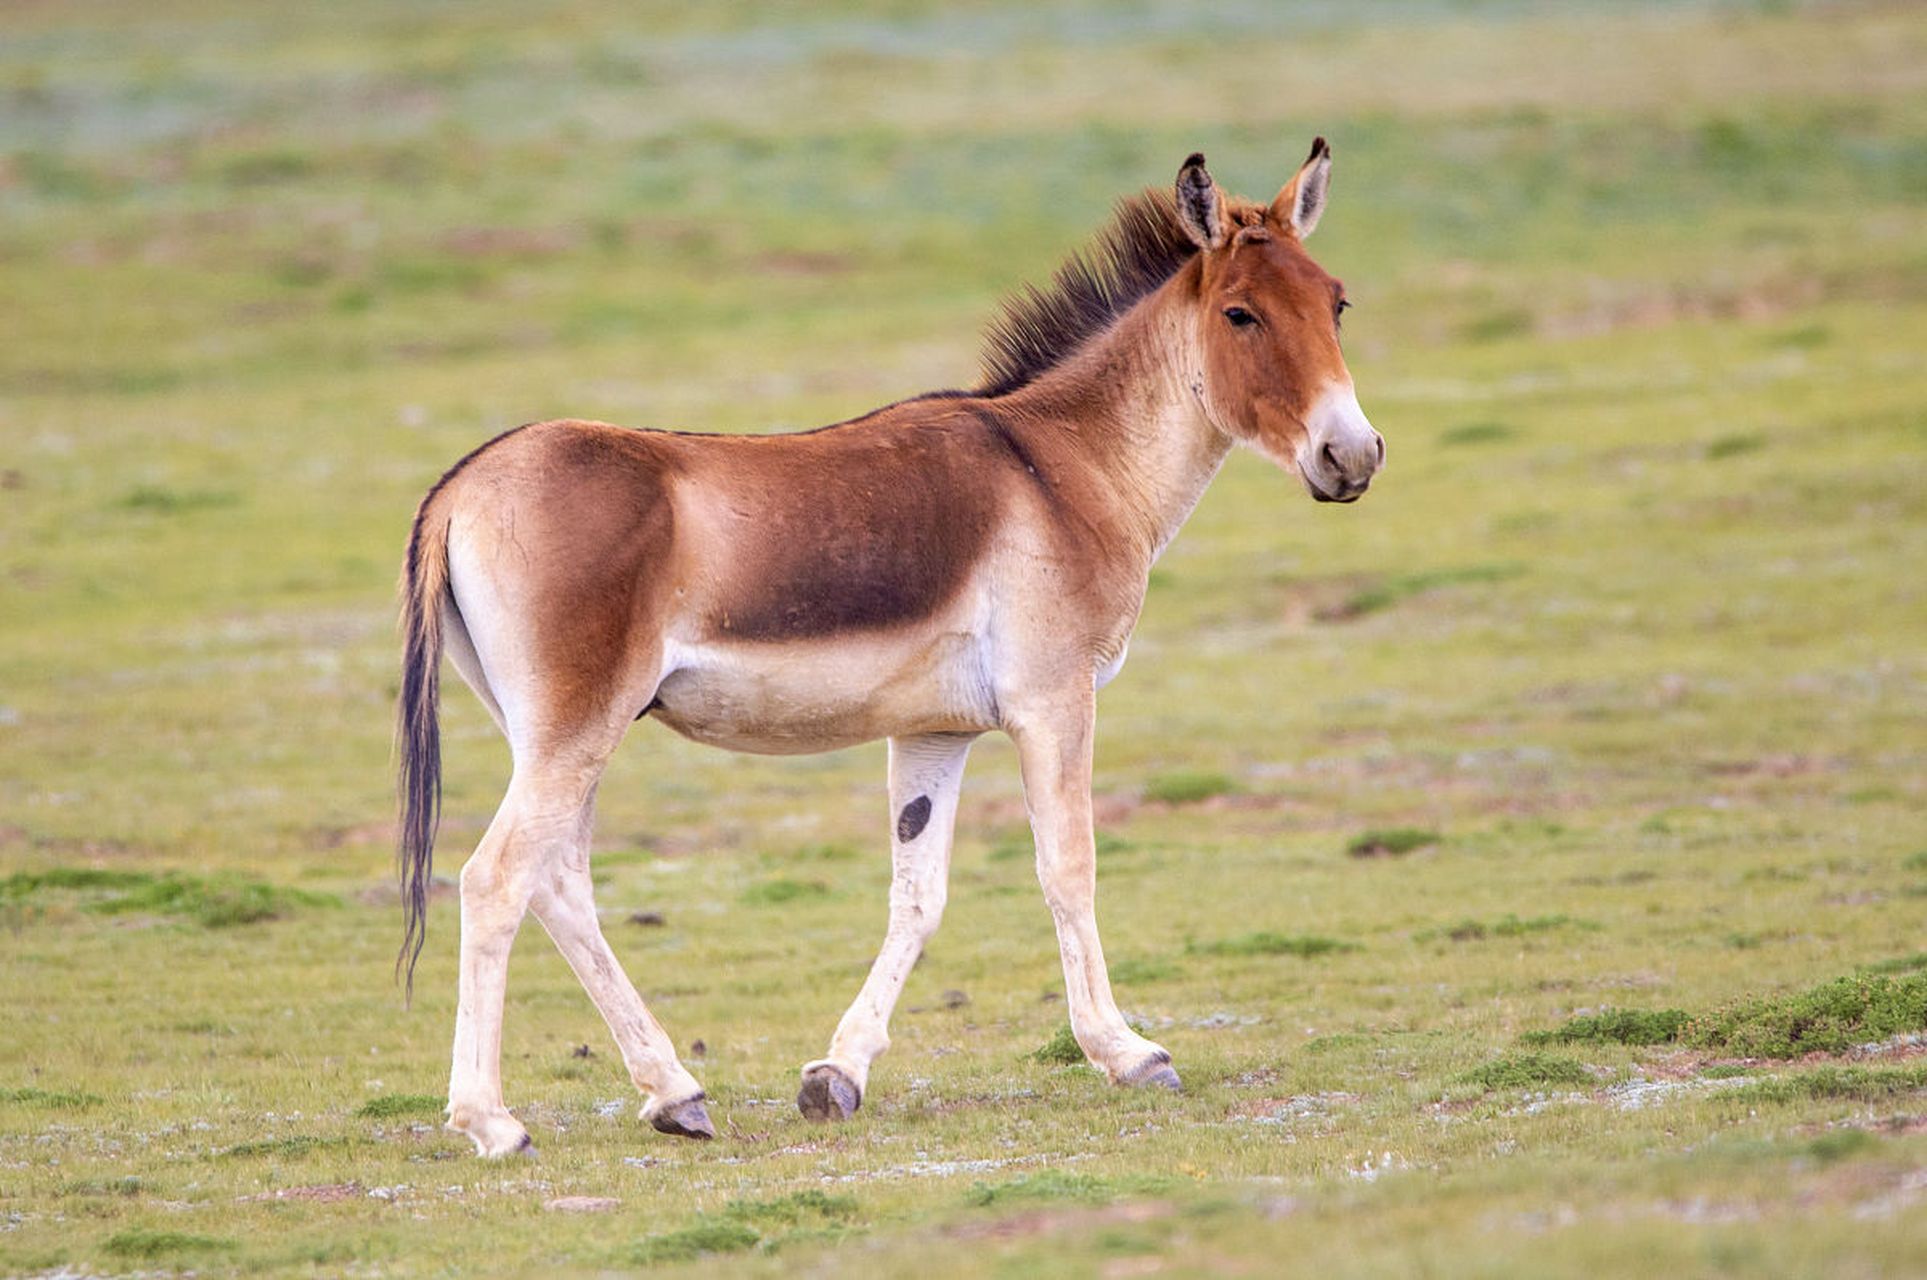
point(418, 734)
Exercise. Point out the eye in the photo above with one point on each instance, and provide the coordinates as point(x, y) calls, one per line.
point(1338, 312)
point(1239, 317)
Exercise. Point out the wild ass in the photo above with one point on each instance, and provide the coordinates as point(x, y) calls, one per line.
point(951, 564)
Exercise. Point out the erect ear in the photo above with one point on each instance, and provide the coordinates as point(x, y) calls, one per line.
point(1299, 205)
point(1200, 205)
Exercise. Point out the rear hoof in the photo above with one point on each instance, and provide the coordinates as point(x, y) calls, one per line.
point(685, 1119)
point(496, 1135)
point(827, 1093)
point(1155, 1072)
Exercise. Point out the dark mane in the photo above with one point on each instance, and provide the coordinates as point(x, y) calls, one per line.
point(1143, 246)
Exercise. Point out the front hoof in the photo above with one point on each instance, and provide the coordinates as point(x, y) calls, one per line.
point(685, 1119)
point(827, 1093)
point(1155, 1072)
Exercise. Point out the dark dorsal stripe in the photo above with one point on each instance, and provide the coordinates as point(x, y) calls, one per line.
point(1144, 246)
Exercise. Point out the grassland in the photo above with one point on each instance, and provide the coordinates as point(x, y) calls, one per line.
point(1518, 863)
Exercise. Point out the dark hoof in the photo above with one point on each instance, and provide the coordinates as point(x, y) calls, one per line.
point(1165, 1077)
point(828, 1094)
point(1155, 1072)
point(685, 1119)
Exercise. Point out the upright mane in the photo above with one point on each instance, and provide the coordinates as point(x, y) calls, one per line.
point(1143, 246)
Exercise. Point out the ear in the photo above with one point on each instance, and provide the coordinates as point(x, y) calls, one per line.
point(1299, 205)
point(1200, 206)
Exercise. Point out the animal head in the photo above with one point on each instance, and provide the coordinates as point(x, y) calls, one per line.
point(1271, 373)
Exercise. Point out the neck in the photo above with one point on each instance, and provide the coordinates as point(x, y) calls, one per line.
point(1126, 404)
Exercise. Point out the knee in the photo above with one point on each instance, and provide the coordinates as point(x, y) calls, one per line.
point(918, 910)
point(495, 892)
point(1067, 882)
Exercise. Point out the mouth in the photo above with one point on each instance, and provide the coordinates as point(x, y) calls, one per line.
point(1346, 494)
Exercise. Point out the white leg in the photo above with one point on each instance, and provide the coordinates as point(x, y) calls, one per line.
point(544, 813)
point(1054, 750)
point(926, 775)
point(565, 904)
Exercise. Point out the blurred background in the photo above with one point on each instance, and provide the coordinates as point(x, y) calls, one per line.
point(1641, 294)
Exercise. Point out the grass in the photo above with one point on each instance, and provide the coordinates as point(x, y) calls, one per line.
point(1265, 943)
point(1616, 1026)
point(1187, 787)
point(1827, 1018)
point(1831, 1084)
point(213, 902)
point(51, 1099)
point(695, 1241)
point(392, 1106)
point(1392, 842)
point(153, 1245)
point(1632, 618)
point(1506, 926)
point(1061, 1050)
point(1527, 1071)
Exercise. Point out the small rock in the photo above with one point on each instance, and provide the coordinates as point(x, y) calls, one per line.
point(581, 1204)
point(582, 1051)
point(649, 919)
point(697, 1049)
point(953, 999)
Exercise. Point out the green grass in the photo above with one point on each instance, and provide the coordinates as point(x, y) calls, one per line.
point(156, 1244)
point(1615, 1026)
point(391, 1106)
point(696, 1241)
point(211, 901)
point(1527, 1071)
point(1855, 1084)
point(1632, 619)
point(1827, 1018)
point(1265, 943)
point(1391, 842)
point(1506, 926)
point(1060, 1050)
point(1187, 787)
point(51, 1099)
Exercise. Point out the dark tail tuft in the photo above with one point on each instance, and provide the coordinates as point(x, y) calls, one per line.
point(418, 735)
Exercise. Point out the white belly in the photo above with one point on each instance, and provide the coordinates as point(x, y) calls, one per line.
point(797, 697)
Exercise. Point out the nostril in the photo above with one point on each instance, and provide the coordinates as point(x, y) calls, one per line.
point(1329, 458)
point(1381, 447)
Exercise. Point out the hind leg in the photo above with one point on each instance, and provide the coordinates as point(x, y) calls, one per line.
point(926, 774)
point(565, 904)
point(544, 815)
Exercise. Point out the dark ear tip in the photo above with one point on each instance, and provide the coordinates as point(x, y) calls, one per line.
point(1194, 161)
point(1319, 148)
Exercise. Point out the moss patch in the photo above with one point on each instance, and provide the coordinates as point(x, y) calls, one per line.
point(1854, 1084)
point(211, 901)
point(1391, 842)
point(389, 1106)
point(1264, 943)
point(695, 1241)
point(1527, 1071)
point(1060, 1050)
point(141, 1242)
point(1616, 1026)
point(1826, 1019)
